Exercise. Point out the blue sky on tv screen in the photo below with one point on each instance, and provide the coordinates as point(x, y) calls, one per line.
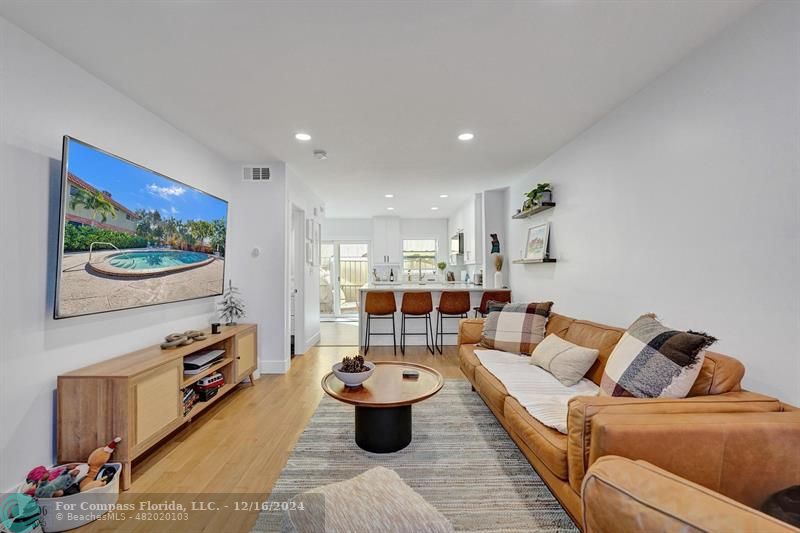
point(137, 188)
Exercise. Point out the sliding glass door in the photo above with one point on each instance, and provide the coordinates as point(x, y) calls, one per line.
point(344, 269)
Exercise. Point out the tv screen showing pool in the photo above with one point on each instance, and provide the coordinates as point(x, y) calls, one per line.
point(131, 237)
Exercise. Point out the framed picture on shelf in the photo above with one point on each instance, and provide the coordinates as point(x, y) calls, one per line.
point(536, 244)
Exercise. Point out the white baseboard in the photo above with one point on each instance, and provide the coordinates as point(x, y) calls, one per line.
point(312, 341)
point(273, 367)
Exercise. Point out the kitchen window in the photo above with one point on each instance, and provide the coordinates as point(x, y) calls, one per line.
point(419, 256)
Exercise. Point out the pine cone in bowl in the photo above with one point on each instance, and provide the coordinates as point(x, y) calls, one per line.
point(353, 365)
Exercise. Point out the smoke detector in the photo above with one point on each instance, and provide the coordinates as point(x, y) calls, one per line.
point(321, 154)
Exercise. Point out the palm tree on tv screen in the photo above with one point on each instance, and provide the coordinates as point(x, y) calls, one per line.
point(96, 202)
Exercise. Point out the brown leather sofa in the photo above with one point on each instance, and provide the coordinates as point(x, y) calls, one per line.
point(562, 460)
point(624, 495)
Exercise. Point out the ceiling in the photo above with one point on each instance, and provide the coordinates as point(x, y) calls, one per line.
point(383, 87)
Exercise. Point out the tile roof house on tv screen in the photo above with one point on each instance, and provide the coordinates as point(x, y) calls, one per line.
point(82, 208)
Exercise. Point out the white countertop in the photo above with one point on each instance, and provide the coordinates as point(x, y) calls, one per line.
point(421, 287)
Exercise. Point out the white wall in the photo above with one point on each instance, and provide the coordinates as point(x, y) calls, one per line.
point(347, 229)
point(42, 97)
point(262, 207)
point(684, 202)
point(495, 220)
point(427, 228)
point(301, 196)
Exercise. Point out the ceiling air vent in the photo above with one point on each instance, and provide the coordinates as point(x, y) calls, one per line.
point(256, 173)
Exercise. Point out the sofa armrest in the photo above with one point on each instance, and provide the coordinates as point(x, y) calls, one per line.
point(623, 495)
point(469, 330)
point(745, 456)
point(583, 409)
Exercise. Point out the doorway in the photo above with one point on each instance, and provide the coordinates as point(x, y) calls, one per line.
point(297, 282)
point(344, 269)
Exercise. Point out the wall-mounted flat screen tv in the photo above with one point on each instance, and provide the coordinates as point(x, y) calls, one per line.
point(131, 237)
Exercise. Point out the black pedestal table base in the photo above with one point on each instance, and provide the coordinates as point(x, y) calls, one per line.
point(383, 429)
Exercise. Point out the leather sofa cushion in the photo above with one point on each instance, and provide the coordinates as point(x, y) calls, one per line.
point(719, 374)
point(558, 325)
point(597, 336)
point(549, 445)
point(468, 361)
point(491, 389)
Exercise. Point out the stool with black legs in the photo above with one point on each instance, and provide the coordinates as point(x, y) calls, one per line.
point(491, 296)
point(417, 305)
point(379, 306)
point(452, 304)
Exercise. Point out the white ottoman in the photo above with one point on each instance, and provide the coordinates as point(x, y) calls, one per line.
point(376, 501)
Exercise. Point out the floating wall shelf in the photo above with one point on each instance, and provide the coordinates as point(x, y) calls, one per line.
point(533, 210)
point(532, 261)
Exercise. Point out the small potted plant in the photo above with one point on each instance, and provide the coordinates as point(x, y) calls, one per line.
point(537, 196)
point(231, 308)
point(441, 265)
point(353, 371)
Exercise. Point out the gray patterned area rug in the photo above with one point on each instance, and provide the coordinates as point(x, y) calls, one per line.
point(460, 460)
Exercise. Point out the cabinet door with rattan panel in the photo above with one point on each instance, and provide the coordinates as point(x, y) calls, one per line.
point(246, 354)
point(156, 404)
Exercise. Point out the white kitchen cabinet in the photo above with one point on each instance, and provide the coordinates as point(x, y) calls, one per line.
point(386, 244)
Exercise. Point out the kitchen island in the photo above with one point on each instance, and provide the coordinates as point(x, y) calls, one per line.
point(414, 326)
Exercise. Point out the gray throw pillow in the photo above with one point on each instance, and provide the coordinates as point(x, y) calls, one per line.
point(568, 362)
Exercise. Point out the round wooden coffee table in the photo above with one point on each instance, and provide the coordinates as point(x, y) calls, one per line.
point(383, 403)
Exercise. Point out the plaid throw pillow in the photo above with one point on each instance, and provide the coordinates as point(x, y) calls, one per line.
point(654, 361)
point(515, 328)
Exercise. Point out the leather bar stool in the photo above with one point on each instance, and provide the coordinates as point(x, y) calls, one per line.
point(491, 296)
point(417, 305)
point(379, 306)
point(452, 304)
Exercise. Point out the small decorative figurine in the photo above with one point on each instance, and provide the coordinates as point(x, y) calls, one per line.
point(182, 339)
point(495, 243)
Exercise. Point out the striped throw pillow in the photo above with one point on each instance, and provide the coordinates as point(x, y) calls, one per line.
point(515, 327)
point(654, 361)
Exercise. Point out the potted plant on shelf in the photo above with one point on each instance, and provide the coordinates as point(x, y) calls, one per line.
point(231, 308)
point(543, 193)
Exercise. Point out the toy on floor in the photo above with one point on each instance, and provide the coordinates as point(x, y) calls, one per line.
point(44, 483)
point(96, 460)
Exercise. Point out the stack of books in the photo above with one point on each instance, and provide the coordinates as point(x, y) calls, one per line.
point(190, 396)
point(195, 364)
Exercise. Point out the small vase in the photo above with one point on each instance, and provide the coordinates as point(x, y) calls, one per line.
point(498, 279)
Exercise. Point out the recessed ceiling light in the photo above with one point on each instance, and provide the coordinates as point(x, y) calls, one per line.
point(434, 208)
point(442, 196)
point(390, 208)
point(302, 136)
point(388, 195)
point(466, 136)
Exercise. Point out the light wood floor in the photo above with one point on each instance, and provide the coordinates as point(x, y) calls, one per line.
point(338, 334)
point(240, 445)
